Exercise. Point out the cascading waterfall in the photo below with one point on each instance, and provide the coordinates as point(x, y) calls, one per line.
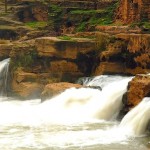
point(89, 103)
point(4, 66)
point(76, 119)
point(137, 120)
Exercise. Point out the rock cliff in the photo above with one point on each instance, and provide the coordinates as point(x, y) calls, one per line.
point(126, 54)
point(133, 11)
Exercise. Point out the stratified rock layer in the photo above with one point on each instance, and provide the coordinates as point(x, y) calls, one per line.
point(126, 54)
point(133, 10)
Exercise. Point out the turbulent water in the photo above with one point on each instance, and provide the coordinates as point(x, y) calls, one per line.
point(29, 126)
point(76, 119)
point(4, 66)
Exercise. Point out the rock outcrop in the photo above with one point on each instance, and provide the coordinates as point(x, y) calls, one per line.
point(126, 54)
point(5, 48)
point(139, 87)
point(71, 56)
point(31, 11)
point(54, 89)
point(133, 11)
point(25, 85)
point(49, 60)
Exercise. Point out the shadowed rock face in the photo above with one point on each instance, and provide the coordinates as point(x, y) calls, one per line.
point(8, 34)
point(31, 11)
point(127, 54)
point(133, 10)
point(49, 60)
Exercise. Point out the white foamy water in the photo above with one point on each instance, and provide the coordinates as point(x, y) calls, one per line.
point(137, 120)
point(76, 119)
point(4, 66)
point(73, 105)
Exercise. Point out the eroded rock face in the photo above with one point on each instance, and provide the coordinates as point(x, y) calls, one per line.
point(110, 68)
point(32, 11)
point(133, 10)
point(139, 87)
point(49, 60)
point(69, 49)
point(5, 49)
point(67, 56)
point(23, 86)
point(126, 54)
point(54, 89)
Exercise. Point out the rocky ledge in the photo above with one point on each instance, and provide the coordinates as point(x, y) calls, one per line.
point(139, 88)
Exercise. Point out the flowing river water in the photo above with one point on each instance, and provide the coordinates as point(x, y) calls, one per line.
point(77, 119)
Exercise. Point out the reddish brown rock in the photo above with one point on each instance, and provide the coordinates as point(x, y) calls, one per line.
point(25, 85)
point(113, 51)
point(54, 89)
point(59, 48)
point(136, 42)
point(133, 10)
point(63, 66)
point(5, 49)
point(126, 54)
point(110, 68)
point(139, 88)
point(31, 11)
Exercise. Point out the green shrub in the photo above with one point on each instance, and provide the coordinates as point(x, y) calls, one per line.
point(37, 24)
point(25, 60)
point(81, 27)
point(102, 41)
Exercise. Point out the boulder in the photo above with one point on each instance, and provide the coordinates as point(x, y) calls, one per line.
point(25, 85)
point(54, 89)
point(139, 87)
point(27, 90)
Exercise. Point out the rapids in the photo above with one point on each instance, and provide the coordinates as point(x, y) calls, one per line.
point(76, 119)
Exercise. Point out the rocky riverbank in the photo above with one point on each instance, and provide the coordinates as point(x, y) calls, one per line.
point(72, 39)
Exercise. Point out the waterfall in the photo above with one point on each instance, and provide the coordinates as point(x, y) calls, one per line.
point(101, 80)
point(86, 103)
point(136, 121)
point(4, 66)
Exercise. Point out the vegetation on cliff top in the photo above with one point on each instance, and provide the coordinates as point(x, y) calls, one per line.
point(37, 24)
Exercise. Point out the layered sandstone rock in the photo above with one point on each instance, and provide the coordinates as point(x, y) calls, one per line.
point(133, 10)
point(139, 88)
point(67, 49)
point(110, 68)
point(23, 86)
point(49, 60)
point(129, 54)
point(31, 11)
point(54, 89)
point(67, 56)
point(118, 29)
point(5, 48)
